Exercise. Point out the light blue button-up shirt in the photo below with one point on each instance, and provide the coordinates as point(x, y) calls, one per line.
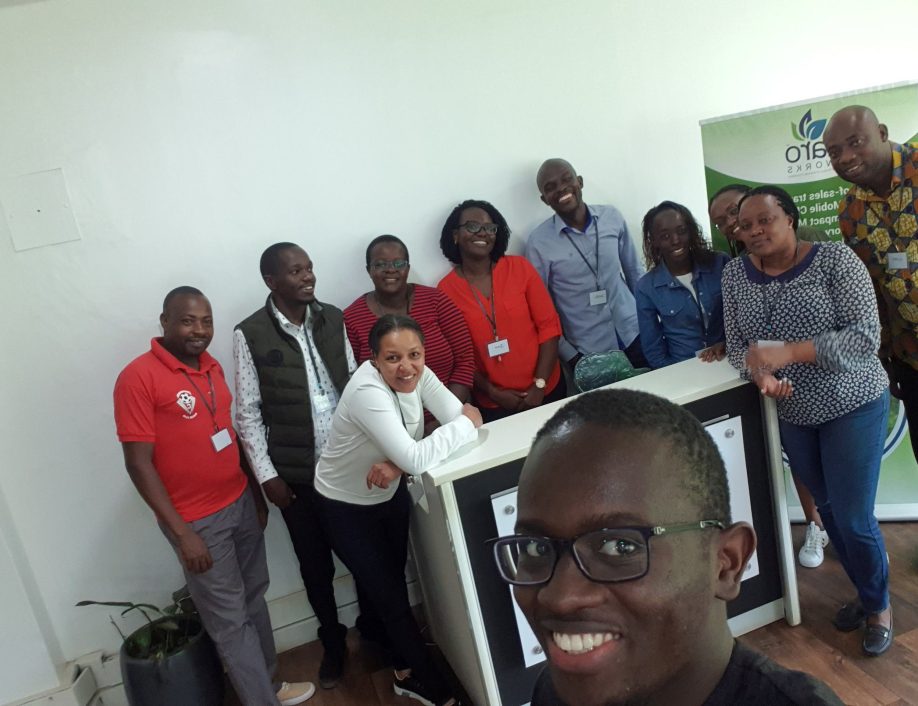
point(589, 328)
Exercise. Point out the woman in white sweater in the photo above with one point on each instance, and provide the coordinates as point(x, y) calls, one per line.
point(376, 438)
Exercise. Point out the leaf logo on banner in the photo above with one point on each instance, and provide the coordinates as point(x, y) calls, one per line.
point(807, 128)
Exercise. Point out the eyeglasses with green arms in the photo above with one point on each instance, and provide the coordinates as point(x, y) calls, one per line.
point(383, 265)
point(605, 556)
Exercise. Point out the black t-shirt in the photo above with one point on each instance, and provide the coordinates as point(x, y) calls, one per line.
point(751, 679)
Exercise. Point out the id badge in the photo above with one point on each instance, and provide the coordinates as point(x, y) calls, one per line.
point(769, 344)
point(322, 403)
point(897, 261)
point(221, 440)
point(498, 347)
point(598, 297)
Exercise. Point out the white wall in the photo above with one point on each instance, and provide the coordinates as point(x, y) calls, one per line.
point(194, 134)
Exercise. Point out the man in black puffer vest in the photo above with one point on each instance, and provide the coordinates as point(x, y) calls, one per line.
point(293, 360)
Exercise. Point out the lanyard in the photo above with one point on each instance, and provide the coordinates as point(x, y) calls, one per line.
point(398, 404)
point(312, 359)
point(212, 407)
point(492, 319)
point(583, 257)
point(769, 304)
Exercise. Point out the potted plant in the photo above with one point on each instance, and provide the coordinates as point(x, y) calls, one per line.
point(169, 660)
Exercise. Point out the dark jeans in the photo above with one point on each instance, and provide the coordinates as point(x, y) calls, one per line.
point(839, 462)
point(372, 541)
point(907, 378)
point(317, 568)
point(636, 354)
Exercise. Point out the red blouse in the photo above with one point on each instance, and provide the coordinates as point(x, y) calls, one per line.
point(525, 316)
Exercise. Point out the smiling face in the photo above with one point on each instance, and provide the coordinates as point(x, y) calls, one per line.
point(400, 360)
point(560, 187)
point(294, 283)
point(858, 147)
point(387, 279)
point(764, 226)
point(724, 212)
point(188, 326)
point(670, 238)
point(474, 245)
point(651, 629)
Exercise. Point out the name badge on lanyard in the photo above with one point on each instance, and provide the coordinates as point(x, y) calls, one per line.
point(897, 261)
point(499, 347)
point(322, 403)
point(221, 440)
point(598, 297)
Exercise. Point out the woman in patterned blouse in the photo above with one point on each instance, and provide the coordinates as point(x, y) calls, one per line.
point(801, 323)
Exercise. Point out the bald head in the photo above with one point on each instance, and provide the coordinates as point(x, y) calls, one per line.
point(858, 146)
point(853, 116)
point(560, 188)
point(550, 166)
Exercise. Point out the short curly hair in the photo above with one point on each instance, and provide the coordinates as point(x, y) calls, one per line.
point(448, 244)
point(704, 476)
point(386, 238)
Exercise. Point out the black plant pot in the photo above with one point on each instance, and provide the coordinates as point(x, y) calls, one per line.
point(191, 676)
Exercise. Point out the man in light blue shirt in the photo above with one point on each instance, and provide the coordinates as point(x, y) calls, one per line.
point(590, 266)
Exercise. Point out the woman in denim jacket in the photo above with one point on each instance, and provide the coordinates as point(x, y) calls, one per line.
point(679, 303)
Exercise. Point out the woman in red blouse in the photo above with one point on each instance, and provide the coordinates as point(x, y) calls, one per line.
point(448, 346)
point(510, 315)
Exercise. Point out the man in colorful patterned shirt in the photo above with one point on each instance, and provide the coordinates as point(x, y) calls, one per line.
point(877, 219)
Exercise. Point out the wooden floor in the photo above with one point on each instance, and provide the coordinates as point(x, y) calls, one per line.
point(814, 646)
point(817, 647)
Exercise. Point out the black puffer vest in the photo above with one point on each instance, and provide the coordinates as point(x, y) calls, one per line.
point(285, 405)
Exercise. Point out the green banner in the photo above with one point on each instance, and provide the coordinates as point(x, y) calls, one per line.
point(783, 145)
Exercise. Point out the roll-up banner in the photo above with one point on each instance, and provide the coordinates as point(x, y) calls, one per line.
point(783, 145)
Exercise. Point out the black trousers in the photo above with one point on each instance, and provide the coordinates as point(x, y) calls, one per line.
point(372, 541)
point(317, 568)
point(907, 378)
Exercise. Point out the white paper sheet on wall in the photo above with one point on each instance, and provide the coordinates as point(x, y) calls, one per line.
point(727, 435)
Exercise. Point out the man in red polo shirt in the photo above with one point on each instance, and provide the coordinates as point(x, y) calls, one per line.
point(172, 412)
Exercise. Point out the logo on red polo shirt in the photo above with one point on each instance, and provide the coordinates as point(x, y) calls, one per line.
point(186, 401)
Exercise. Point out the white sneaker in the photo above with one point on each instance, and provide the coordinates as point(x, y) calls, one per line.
point(295, 693)
point(811, 553)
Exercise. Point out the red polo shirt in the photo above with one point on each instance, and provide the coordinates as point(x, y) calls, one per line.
point(162, 401)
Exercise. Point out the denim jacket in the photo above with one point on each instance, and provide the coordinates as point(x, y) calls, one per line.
point(673, 325)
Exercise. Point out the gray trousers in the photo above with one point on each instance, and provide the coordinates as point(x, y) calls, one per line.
point(230, 598)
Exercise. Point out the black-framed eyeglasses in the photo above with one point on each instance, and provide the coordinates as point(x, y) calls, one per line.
point(605, 555)
point(383, 265)
point(476, 227)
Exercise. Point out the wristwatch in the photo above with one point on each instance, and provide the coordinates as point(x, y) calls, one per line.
point(539, 383)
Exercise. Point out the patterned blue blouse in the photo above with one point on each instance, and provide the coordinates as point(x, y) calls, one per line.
point(827, 297)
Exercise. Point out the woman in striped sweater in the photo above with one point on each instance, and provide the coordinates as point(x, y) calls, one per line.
point(448, 345)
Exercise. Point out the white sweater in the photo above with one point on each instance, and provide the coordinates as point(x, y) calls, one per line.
point(368, 428)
